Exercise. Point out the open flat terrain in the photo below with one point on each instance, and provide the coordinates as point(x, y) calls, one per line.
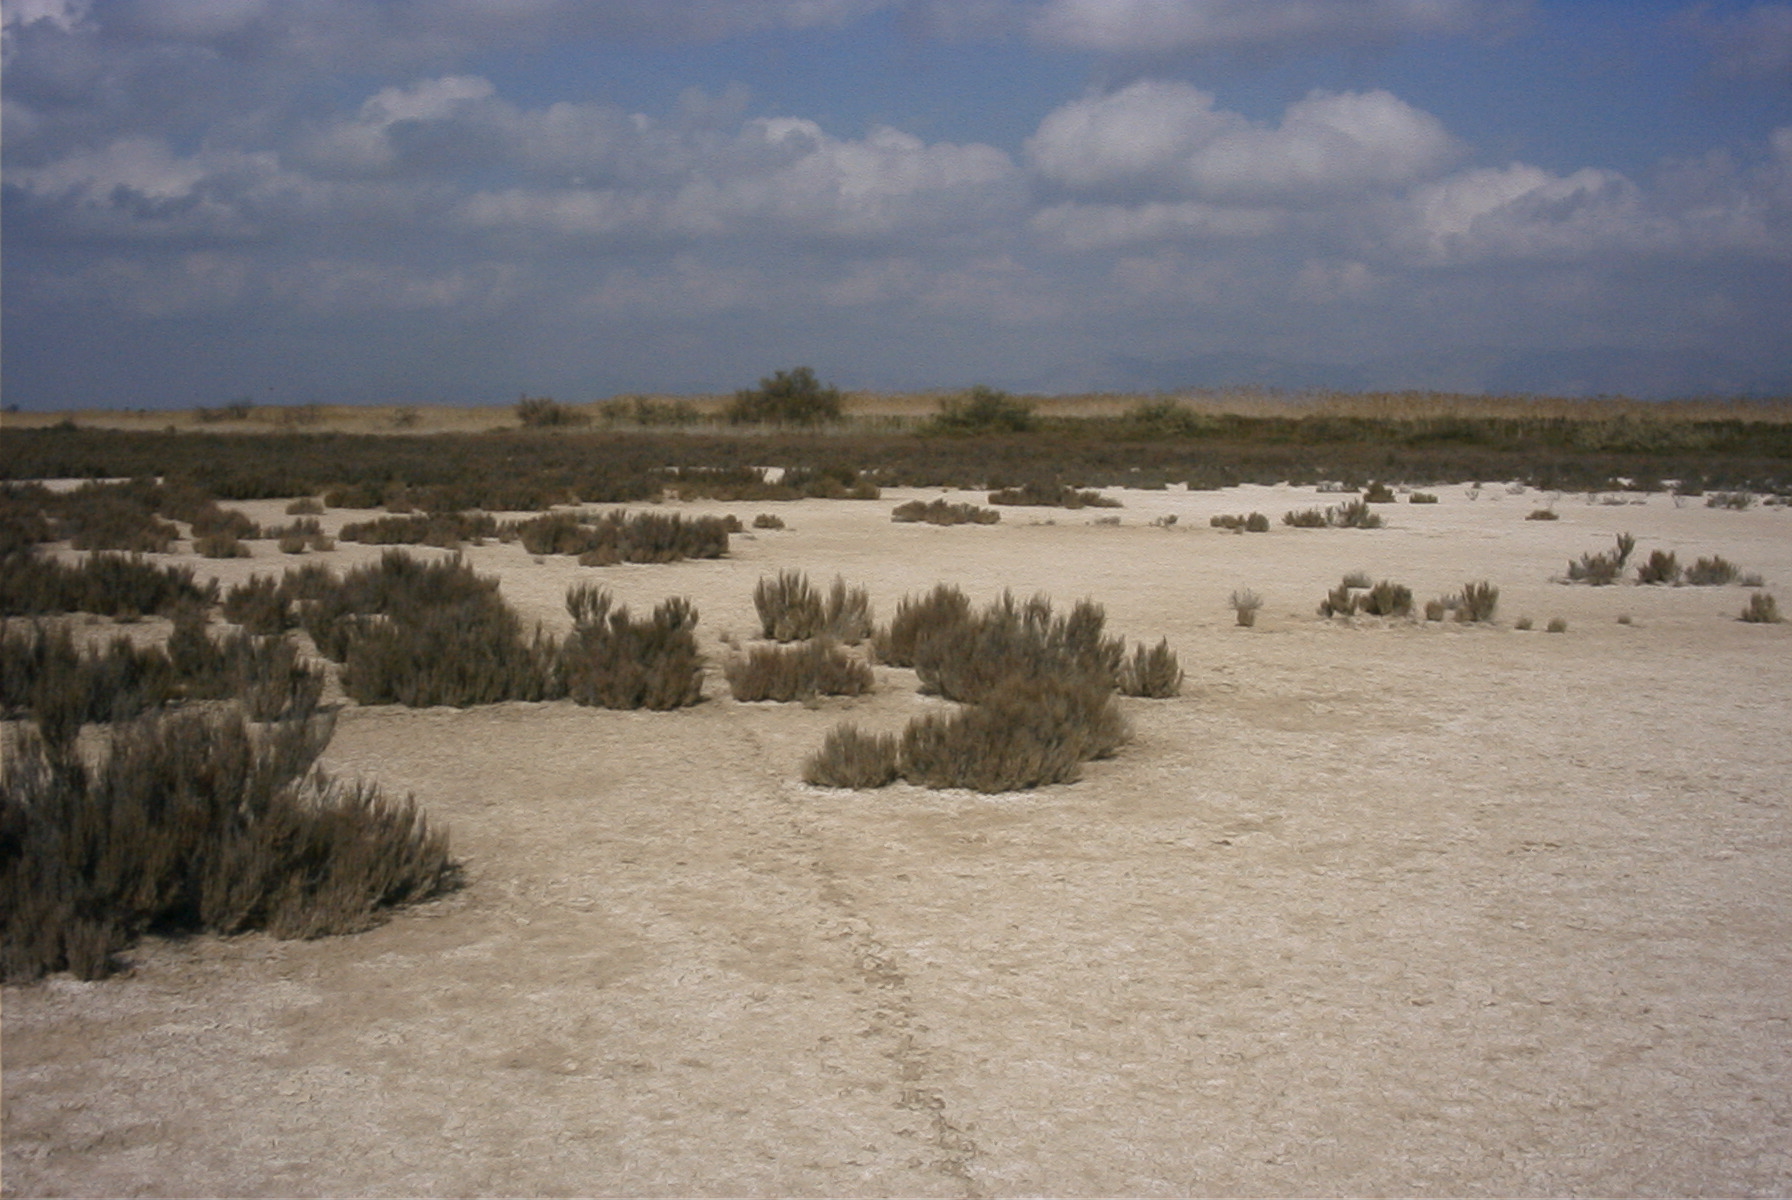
point(1373, 908)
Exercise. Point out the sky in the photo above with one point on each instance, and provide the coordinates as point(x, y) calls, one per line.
point(463, 201)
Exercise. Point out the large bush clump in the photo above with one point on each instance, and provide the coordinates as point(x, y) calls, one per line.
point(425, 633)
point(793, 397)
point(967, 661)
point(194, 823)
point(945, 606)
point(612, 661)
point(1028, 731)
point(445, 530)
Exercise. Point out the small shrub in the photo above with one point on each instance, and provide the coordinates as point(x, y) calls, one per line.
point(791, 610)
point(849, 758)
point(305, 506)
point(1358, 579)
point(1256, 523)
point(1339, 602)
point(1762, 609)
point(1245, 604)
point(816, 668)
point(1152, 674)
point(1354, 515)
point(1477, 603)
point(943, 512)
point(1421, 498)
point(1662, 567)
point(114, 585)
point(786, 398)
point(1379, 493)
point(1737, 501)
point(1599, 570)
point(1522, 623)
point(1435, 610)
point(1542, 514)
point(768, 521)
point(1556, 625)
point(1712, 572)
point(1386, 599)
point(220, 545)
point(1305, 518)
point(943, 608)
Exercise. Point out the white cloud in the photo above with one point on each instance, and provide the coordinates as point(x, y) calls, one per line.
point(1162, 139)
point(1754, 42)
point(1084, 227)
point(1155, 27)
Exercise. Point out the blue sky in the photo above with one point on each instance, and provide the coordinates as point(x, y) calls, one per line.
point(457, 201)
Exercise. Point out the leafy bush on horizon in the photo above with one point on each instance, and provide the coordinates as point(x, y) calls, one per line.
point(792, 397)
point(983, 410)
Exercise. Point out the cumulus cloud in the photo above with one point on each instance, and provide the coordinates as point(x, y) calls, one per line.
point(1166, 139)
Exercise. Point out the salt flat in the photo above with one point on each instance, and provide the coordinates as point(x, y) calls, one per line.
point(1375, 907)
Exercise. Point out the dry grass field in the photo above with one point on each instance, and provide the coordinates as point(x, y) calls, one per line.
point(1374, 907)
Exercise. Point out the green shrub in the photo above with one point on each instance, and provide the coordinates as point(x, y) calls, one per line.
point(785, 673)
point(1762, 609)
point(793, 397)
point(193, 823)
point(984, 410)
point(611, 661)
point(1152, 674)
point(849, 758)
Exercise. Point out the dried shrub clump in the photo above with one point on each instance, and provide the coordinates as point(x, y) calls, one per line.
point(1151, 674)
point(114, 585)
point(1039, 494)
point(1245, 603)
point(445, 530)
point(791, 610)
point(785, 673)
point(612, 661)
point(1304, 518)
point(1028, 731)
point(1542, 514)
point(1477, 602)
point(1422, 498)
point(1379, 493)
point(1762, 609)
point(1604, 568)
point(1712, 572)
point(768, 521)
point(944, 512)
point(196, 824)
point(850, 758)
point(260, 606)
point(1253, 523)
point(969, 660)
point(1662, 567)
point(945, 606)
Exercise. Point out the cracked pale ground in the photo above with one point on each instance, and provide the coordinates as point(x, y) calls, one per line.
point(1384, 909)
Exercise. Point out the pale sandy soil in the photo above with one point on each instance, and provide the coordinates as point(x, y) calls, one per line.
point(1372, 909)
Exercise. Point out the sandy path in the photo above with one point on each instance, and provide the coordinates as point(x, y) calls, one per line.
point(1382, 909)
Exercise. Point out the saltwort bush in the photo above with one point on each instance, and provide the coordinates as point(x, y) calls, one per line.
point(611, 661)
point(785, 673)
point(195, 823)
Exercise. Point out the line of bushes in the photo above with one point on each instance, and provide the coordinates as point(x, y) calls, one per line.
point(113, 585)
point(1042, 494)
point(618, 536)
point(944, 512)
